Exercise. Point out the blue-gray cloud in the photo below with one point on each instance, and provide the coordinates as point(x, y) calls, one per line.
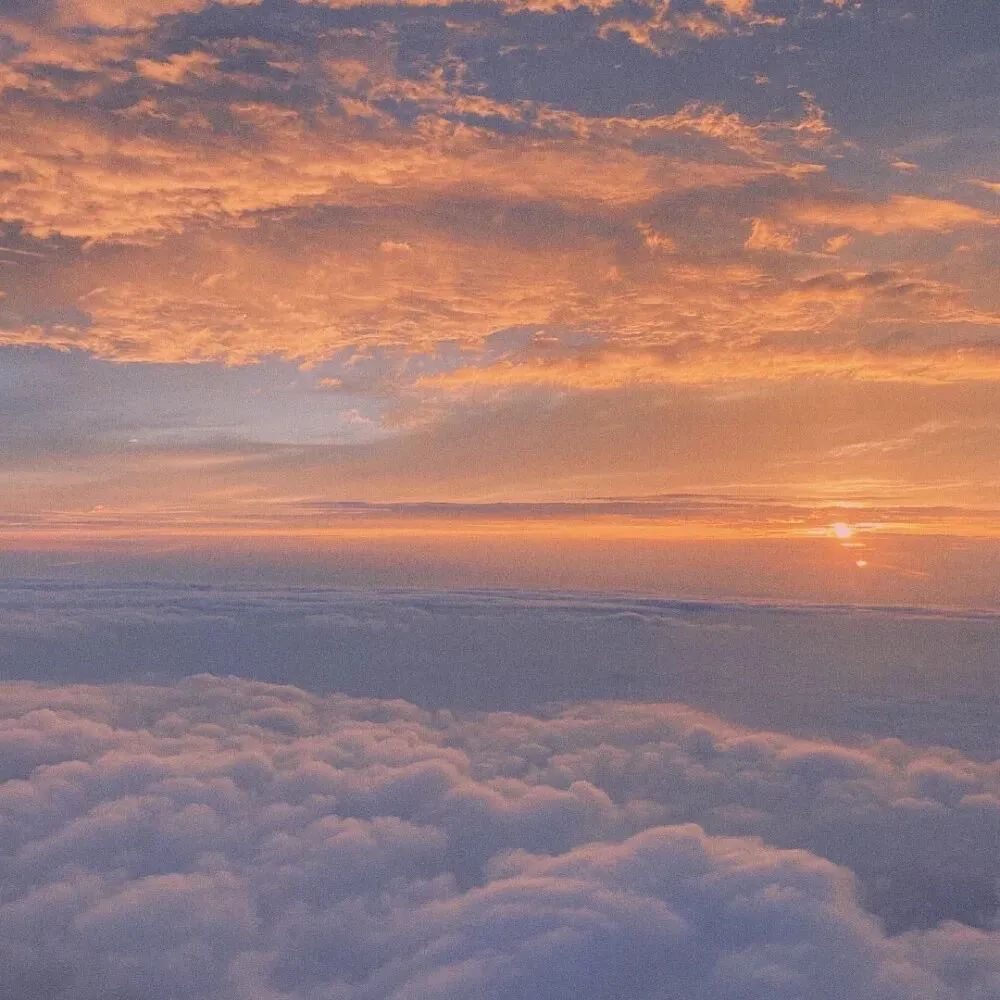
point(844, 670)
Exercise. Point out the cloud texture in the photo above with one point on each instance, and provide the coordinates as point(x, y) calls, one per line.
point(226, 838)
point(192, 182)
point(633, 235)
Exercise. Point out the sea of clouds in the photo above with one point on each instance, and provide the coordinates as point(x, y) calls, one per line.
point(225, 838)
point(235, 793)
point(928, 676)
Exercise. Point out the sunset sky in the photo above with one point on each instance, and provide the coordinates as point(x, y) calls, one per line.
point(500, 500)
point(289, 281)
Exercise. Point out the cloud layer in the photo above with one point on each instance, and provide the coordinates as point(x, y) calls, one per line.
point(846, 672)
point(226, 838)
point(584, 247)
point(324, 181)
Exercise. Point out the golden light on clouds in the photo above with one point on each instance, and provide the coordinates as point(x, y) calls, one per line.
point(532, 253)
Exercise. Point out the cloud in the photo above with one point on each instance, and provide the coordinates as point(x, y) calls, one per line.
point(514, 650)
point(223, 180)
point(381, 193)
point(225, 838)
point(766, 235)
point(161, 163)
point(519, 213)
point(115, 14)
point(424, 319)
point(225, 189)
point(177, 68)
point(899, 213)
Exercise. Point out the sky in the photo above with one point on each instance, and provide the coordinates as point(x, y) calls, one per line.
point(499, 500)
point(275, 276)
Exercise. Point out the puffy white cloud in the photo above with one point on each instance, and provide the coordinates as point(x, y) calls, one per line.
point(227, 838)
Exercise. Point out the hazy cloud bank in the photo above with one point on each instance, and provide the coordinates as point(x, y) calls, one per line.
point(928, 676)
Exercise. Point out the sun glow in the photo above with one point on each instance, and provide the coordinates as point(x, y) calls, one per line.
point(842, 530)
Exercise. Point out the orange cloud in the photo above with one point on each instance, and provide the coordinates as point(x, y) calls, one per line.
point(768, 235)
point(303, 233)
point(119, 14)
point(178, 67)
point(120, 182)
point(617, 370)
point(898, 214)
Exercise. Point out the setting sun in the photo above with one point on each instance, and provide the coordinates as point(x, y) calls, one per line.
point(842, 530)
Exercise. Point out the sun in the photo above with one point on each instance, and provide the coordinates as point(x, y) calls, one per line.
point(842, 530)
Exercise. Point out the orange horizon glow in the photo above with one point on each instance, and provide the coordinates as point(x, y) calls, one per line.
point(460, 520)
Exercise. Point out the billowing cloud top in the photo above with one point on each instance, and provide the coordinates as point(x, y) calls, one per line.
point(230, 839)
